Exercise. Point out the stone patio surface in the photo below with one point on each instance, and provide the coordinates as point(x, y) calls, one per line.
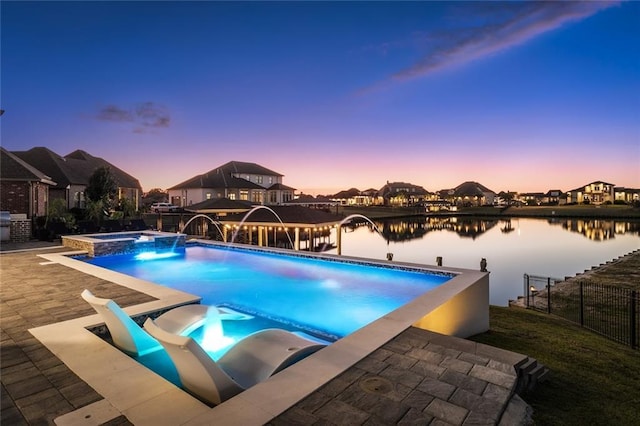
point(419, 377)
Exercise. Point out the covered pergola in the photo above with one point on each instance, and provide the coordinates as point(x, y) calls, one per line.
point(260, 224)
point(263, 224)
point(220, 207)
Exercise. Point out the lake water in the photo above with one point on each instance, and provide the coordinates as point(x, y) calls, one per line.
point(512, 247)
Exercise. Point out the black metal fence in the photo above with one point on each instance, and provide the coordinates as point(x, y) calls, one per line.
point(610, 311)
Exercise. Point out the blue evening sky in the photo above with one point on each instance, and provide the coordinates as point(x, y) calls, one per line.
point(520, 96)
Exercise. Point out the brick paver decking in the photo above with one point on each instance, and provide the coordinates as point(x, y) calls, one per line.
point(418, 377)
point(36, 386)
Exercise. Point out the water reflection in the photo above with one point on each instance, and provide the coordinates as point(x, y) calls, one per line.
point(600, 230)
point(513, 247)
point(397, 230)
point(416, 228)
point(507, 226)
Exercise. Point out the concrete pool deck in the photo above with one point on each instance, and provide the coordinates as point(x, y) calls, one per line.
point(412, 377)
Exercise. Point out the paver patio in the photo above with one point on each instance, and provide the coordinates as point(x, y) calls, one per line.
point(418, 377)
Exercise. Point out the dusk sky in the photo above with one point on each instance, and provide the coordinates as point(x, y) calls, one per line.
point(518, 96)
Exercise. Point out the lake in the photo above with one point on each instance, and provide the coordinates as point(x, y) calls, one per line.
point(512, 247)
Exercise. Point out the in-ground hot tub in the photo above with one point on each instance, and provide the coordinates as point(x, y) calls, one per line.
point(125, 242)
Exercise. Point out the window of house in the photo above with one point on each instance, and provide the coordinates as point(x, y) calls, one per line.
point(244, 195)
point(78, 199)
point(270, 179)
point(259, 179)
point(273, 197)
point(208, 195)
point(232, 196)
point(257, 197)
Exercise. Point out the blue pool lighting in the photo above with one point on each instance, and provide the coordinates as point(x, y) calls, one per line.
point(327, 297)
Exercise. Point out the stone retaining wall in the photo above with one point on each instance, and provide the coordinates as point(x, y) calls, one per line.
point(124, 243)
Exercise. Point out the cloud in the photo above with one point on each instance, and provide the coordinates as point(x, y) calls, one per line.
point(152, 115)
point(114, 113)
point(482, 29)
point(144, 116)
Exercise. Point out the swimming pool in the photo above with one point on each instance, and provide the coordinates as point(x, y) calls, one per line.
point(458, 307)
point(324, 296)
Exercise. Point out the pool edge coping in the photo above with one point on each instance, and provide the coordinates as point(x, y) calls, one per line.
point(256, 405)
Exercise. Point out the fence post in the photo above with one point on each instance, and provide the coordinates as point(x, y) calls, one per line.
point(548, 295)
point(634, 320)
point(581, 305)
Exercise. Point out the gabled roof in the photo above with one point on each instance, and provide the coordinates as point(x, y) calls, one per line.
point(216, 178)
point(290, 216)
point(581, 188)
point(280, 187)
point(471, 189)
point(220, 205)
point(73, 169)
point(310, 199)
point(348, 193)
point(13, 168)
point(53, 165)
point(91, 163)
point(247, 168)
point(600, 181)
point(396, 187)
point(224, 177)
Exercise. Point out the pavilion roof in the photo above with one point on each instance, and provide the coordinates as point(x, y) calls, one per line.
point(294, 216)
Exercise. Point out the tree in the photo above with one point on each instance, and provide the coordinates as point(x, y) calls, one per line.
point(57, 212)
point(507, 197)
point(127, 208)
point(100, 193)
point(102, 187)
point(95, 211)
point(155, 195)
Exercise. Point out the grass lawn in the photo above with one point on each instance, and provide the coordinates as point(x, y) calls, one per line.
point(593, 381)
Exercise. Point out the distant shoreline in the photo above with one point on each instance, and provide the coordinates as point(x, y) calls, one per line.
point(565, 212)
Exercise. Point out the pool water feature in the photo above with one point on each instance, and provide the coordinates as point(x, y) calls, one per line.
point(135, 242)
point(217, 341)
point(326, 297)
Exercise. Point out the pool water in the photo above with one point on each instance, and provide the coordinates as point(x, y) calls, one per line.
point(326, 298)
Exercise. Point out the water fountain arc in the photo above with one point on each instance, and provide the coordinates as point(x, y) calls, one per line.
point(351, 216)
point(348, 219)
point(216, 224)
point(255, 208)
